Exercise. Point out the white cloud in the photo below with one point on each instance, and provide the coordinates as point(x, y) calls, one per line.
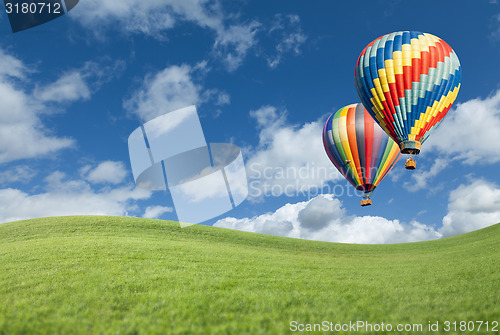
point(289, 159)
point(421, 177)
point(147, 17)
point(152, 17)
point(22, 174)
point(233, 39)
point(471, 207)
point(155, 212)
point(324, 219)
point(106, 172)
point(22, 133)
point(10, 66)
point(233, 43)
point(172, 88)
point(70, 87)
point(80, 83)
point(156, 17)
point(63, 196)
point(223, 99)
point(288, 32)
point(470, 131)
point(168, 90)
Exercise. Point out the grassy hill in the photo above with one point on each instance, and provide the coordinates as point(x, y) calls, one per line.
point(92, 274)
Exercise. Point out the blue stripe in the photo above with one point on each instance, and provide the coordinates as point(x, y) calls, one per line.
point(406, 37)
point(398, 43)
point(388, 50)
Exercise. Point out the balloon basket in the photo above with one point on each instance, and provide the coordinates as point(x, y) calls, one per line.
point(410, 164)
point(410, 147)
point(366, 202)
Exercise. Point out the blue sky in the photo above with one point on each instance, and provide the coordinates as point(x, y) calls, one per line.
point(263, 76)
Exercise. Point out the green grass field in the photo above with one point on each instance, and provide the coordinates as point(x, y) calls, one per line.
point(115, 275)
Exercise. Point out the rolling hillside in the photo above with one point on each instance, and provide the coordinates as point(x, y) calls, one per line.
point(92, 274)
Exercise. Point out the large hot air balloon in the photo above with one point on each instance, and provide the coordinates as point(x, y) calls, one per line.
point(408, 81)
point(359, 148)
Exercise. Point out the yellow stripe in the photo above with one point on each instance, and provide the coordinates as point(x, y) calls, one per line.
point(380, 172)
point(418, 124)
point(424, 43)
point(406, 50)
point(431, 112)
point(415, 48)
point(375, 94)
point(397, 62)
point(389, 70)
point(343, 113)
point(383, 80)
point(344, 140)
point(379, 94)
point(377, 106)
point(432, 39)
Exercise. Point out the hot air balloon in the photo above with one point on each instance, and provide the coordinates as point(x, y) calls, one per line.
point(408, 81)
point(359, 148)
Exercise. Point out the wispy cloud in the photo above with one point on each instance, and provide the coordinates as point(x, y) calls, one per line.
point(79, 83)
point(233, 38)
point(17, 174)
point(155, 212)
point(421, 178)
point(287, 31)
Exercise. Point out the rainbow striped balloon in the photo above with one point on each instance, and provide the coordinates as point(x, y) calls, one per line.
point(359, 148)
point(408, 81)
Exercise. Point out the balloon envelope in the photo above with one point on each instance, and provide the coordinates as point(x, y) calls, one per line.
point(359, 148)
point(408, 81)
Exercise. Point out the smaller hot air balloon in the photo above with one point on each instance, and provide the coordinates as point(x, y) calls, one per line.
point(408, 81)
point(359, 148)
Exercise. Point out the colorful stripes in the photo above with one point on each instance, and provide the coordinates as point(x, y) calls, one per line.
point(408, 81)
point(359, 148)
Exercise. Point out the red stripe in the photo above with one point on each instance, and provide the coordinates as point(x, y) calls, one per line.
point(447, 49)
point(390, 104)
point(394, 94)
point(353, 144)
point(415, 67)
point(425, 62)
point(369, 124)
point(400, 85)
point(390, 118)
point(433, 57)
point(407, 77)
point(440, 52)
